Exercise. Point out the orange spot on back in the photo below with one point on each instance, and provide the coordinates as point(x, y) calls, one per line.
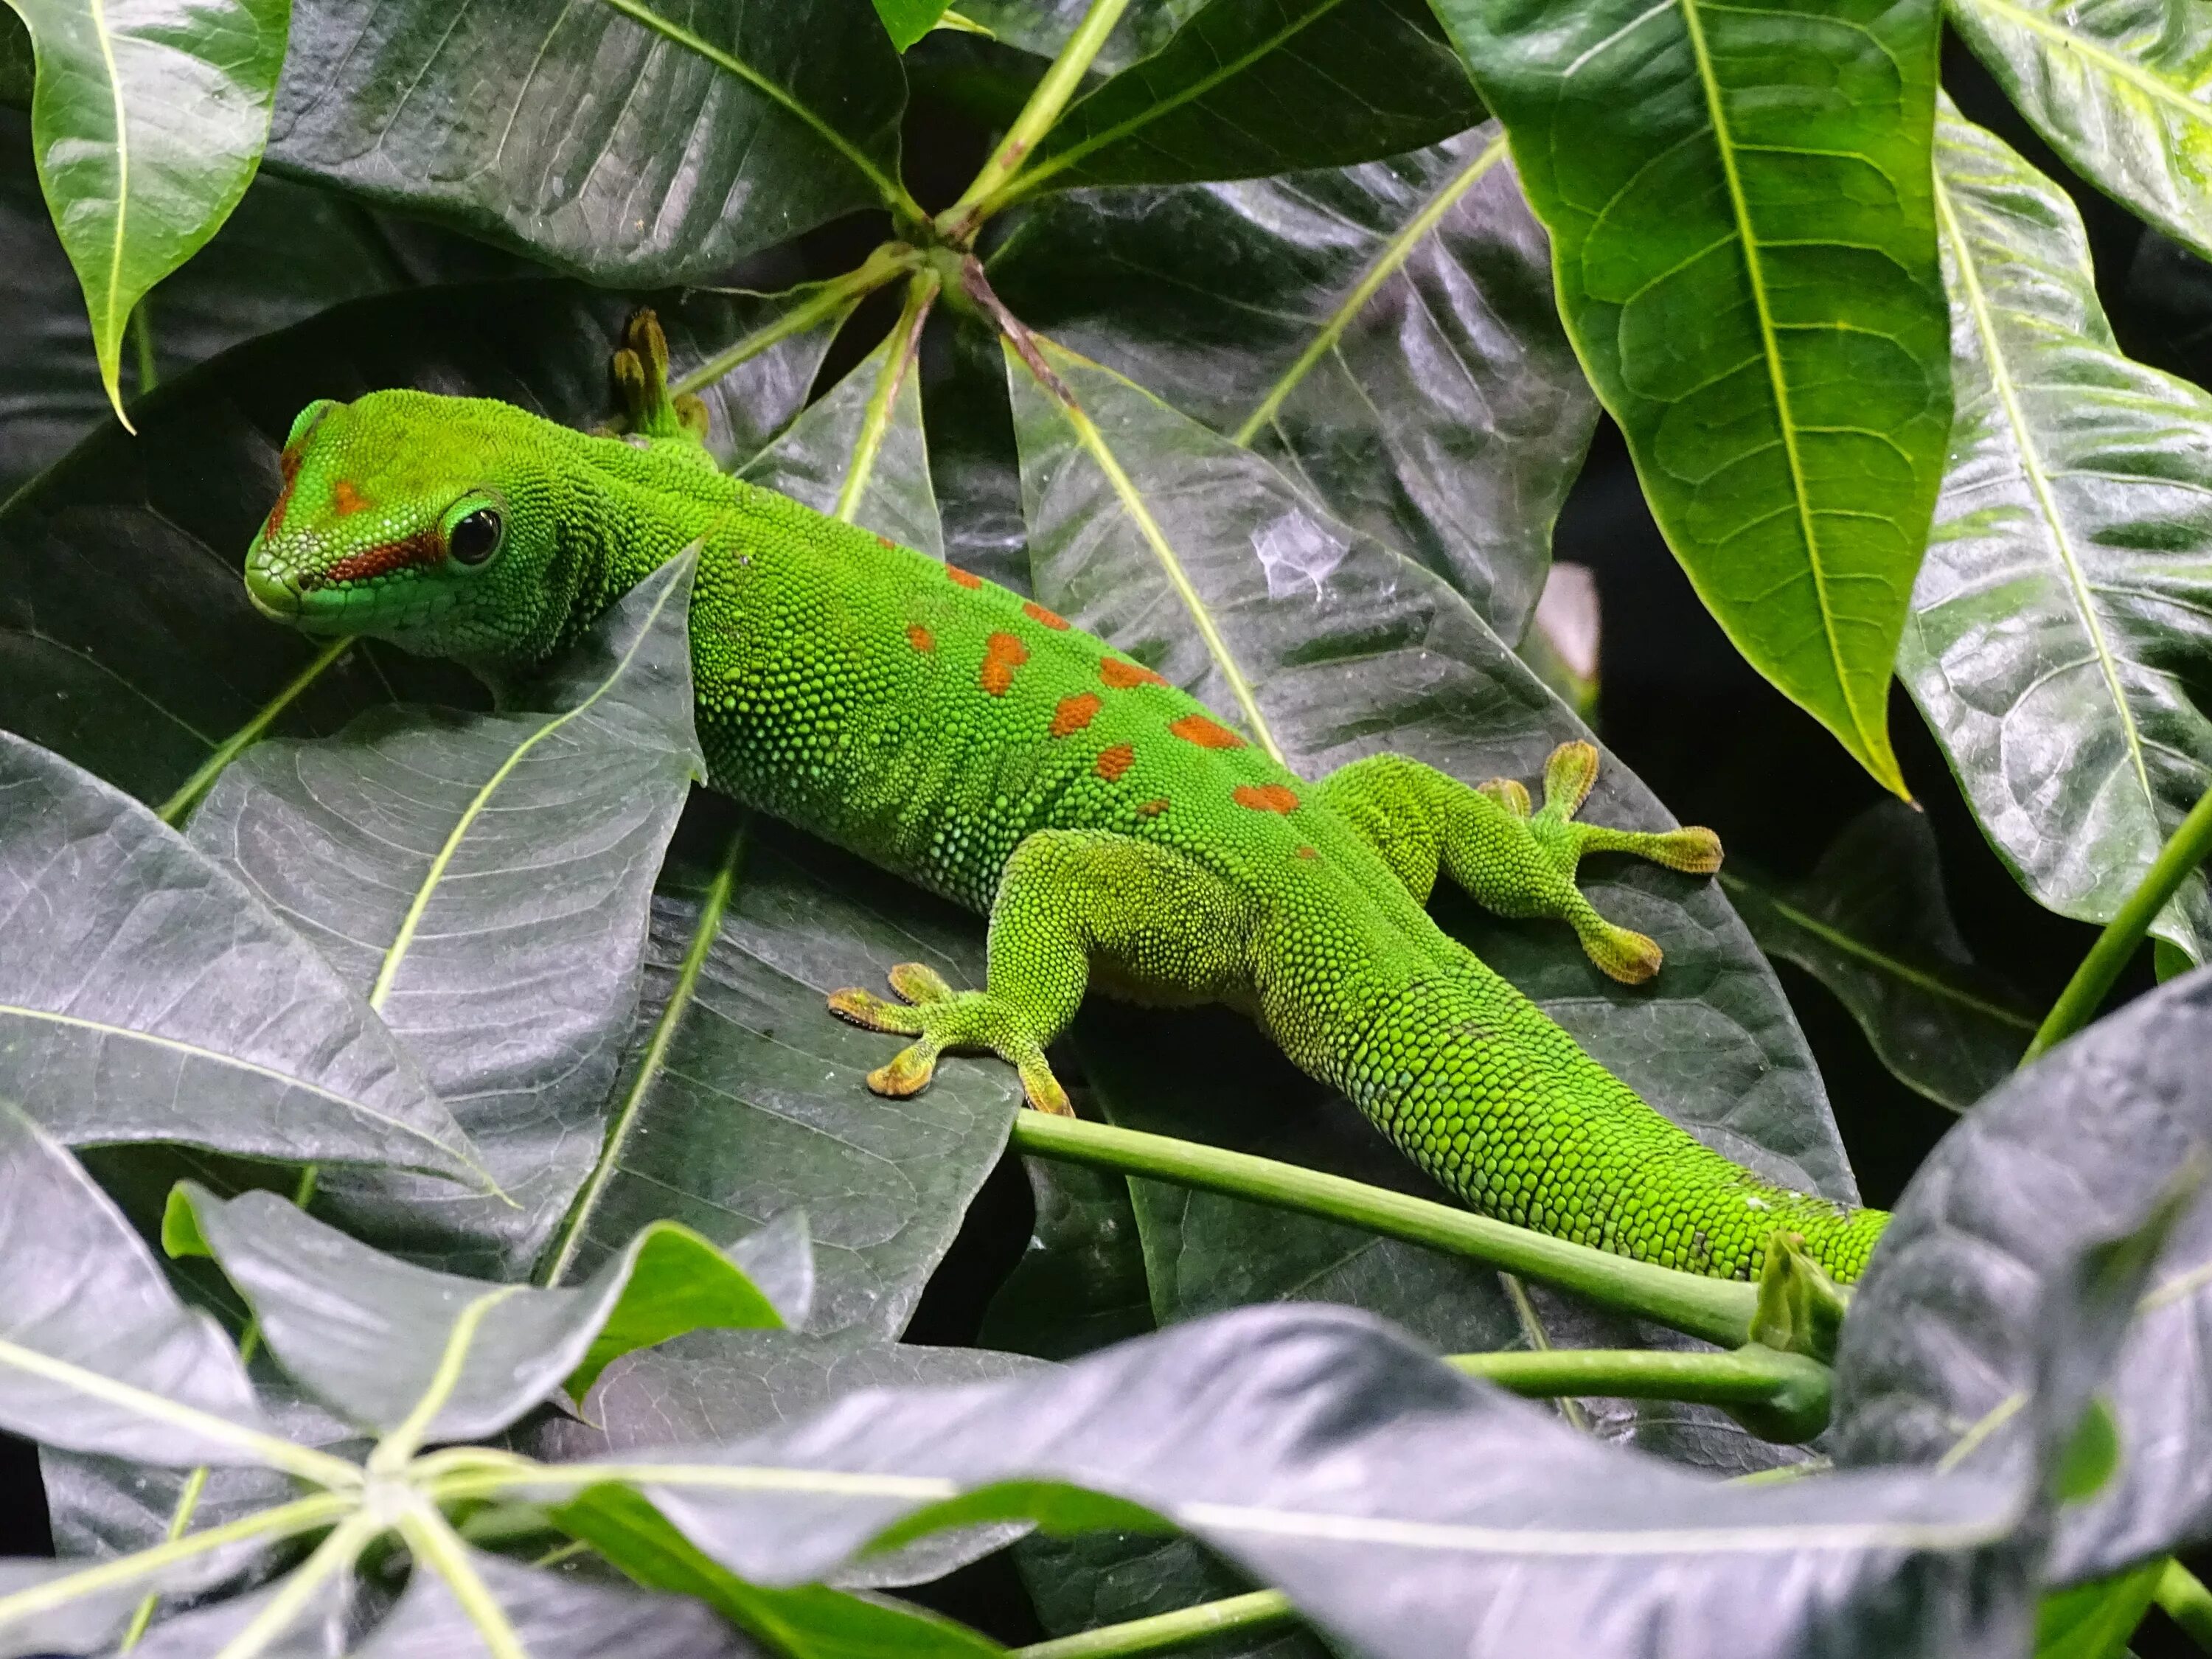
point(1074, 714)
point(1152, 809)
point(885, 541)
point(1113, 762)
point(1264, 797)
point(346, 498)
point(1205, 734)
point(920, 637)
point(964, 577)
point(1307, 853)
point(1002, 654)
point(1123, 675)
point(1037, 612)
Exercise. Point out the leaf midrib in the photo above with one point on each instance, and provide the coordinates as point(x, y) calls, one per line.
point(1754, 270)
point(1978, 307)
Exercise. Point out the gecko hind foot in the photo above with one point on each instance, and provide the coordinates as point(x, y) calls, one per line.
point(942, 1018)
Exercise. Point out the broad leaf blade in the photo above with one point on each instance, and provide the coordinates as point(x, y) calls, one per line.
point(484, 880)
point(1871, 923)
point(373, 1335)
point(1949, 1333)
point(1398, 1505)
point(126, 640)
point(2121, 88)
point(1739, 206)
point(1386, 333)
point(148, 994)
point(2056, 626)
point(1249, 87)
point(752, 1104)
point(148, 120)
point(626, 143)
point(96, 1353)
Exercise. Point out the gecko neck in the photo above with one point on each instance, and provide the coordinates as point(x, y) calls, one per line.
point(626, 513)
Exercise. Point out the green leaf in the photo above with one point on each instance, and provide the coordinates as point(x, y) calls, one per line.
point(148, 994)
point(1247, 88)
point(1951, 1332)
point(812, 1622)
point(2094, 1620)
point(1739, 203)
point(907, 20)
point(2121, 90)
point(148, 120)
point(619, 140)
point(1398, 1505)
point(743, 1098)
point(1386, 333)
point(859, 452)
point(1871, 923)
point(1080, 1284)
point(484, 880)
point(1042, 28)
point(2055, 628)
point(374, 1335)
point(126, 640)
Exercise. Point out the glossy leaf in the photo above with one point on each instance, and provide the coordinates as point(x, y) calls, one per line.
point(374, 1335)
point(96, 1353)
point(1949, 1329)
point(869, 423)
point(907, 20)
point(1386, 333)
point(2061, 621)
point(746, 1101)
point(1341, 648)
point(148, 120)
point(1247, 88)
point(1398, 1504)
point(126, 640)
point(2121, 88)
point(484, 881)
point(1872, 924)
point(1080, 1283)
point(1042, 27)
point(147, 995)
point(1739, 203)
point(628, 143)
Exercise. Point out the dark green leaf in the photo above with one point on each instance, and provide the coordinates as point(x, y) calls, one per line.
point(485, 880)
point(126, 641)
point(1739, 203)
point(869, 424)
point(148, 122)
point(624, 142)
point(907, 20)
point(1080, 1283)
point(2119, 90)
point(96, 1352)
point(147, 995)
point(1386, 333)
point(2059, 634)
point(1247, 88)
point(2094, 1620)
point(1042, 28)
point(1949, 1330)
point(1871, 923)
point(1399, 1505)
point(812, 1622)
point(752, 1103)
point(373, 1335)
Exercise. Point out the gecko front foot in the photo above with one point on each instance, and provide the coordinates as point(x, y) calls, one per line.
point(943, 1019)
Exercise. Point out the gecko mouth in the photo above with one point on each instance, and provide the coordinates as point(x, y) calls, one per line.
point(274, 598)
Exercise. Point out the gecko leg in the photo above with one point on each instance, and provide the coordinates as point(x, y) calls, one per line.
point(1067, 898)
point(1511, 856)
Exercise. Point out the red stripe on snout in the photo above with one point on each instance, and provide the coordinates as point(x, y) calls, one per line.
point(422, 548)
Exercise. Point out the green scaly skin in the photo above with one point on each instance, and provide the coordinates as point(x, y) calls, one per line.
point(1109, 825)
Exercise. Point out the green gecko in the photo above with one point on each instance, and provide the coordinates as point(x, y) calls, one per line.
point(1116, 832)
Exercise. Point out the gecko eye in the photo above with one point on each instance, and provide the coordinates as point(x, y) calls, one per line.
point(475, 538)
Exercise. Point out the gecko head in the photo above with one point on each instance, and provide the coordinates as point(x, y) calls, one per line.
point(428, 521)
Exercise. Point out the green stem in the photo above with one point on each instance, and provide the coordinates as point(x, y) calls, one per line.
point(830, 299)
point(2181, 1596)
point(1718, 1310)
point(957, 223)
point(141, 341)
point(882, 398)
point(2085, 993)
point(1742, 1377)
point(1166, 1631)
point(171, 811)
